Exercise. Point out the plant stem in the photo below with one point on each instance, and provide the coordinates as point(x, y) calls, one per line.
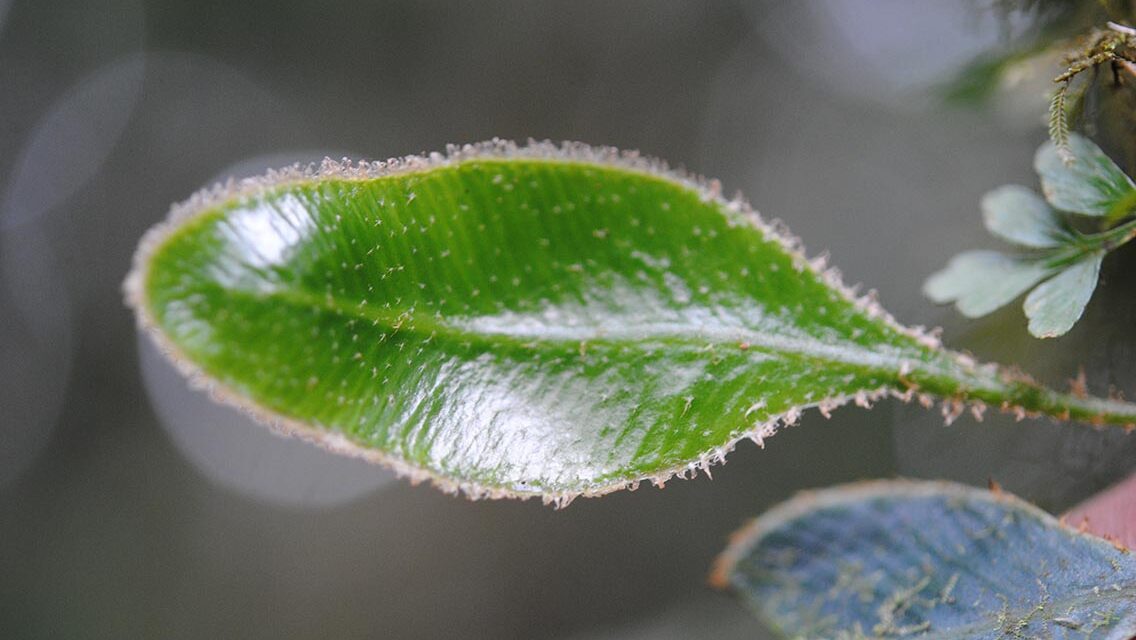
point(1086, 244)
point(1117, 236)
point(1013, 392)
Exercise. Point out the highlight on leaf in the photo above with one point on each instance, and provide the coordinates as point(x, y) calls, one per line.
point(1052, 251)
point(927, 559)
point(533, 320)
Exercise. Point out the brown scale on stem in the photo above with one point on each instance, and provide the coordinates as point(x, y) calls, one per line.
point(1113, 46)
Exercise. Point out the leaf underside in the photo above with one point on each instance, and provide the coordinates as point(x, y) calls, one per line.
point(929, 560)
point(519, 321)
point(1019, 216)
point(1056, 305)
point(1089, 185)
point(978, 282)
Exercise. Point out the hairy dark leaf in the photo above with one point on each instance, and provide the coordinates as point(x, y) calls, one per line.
point(905, 559)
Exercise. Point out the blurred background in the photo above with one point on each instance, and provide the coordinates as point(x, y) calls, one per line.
point(131, 507)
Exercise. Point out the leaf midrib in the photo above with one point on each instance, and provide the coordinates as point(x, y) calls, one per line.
point(801, 348)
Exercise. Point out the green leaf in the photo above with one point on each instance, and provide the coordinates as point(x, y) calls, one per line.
point(978, 80)
point(991, 74)
point(1020, 216)
point(1091, 184)
point(1122, 208)
point(1080, 179)
point(978, 282)
point(930, 560)
point(1056, 304)
point(528, 321)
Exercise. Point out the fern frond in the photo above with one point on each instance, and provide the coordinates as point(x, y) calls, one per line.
point(1059, 122)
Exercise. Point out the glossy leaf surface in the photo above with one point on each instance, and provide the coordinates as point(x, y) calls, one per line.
point(519, 321)
point(928, 560)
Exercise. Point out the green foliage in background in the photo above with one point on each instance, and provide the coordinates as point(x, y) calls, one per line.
point(1053, 250)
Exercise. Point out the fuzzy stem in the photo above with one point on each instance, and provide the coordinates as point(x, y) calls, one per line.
point(1015, 393)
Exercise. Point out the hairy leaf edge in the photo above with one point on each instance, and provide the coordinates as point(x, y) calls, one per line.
point(743, 540)
point(737, 209)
